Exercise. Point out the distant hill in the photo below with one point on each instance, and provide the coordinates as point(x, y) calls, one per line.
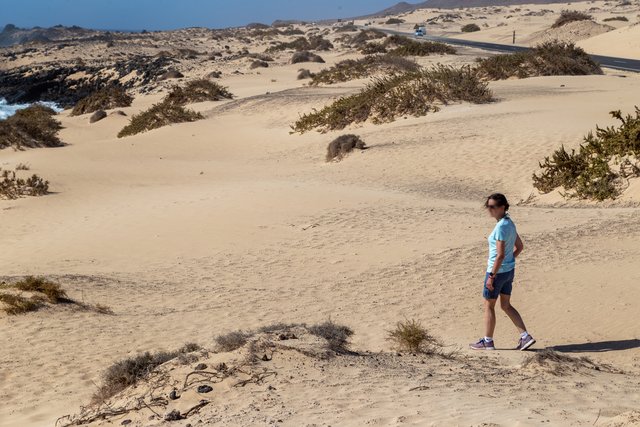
point(404, 7)
point(12, 35)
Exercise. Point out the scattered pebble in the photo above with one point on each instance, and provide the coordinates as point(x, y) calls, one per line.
point(205, 389)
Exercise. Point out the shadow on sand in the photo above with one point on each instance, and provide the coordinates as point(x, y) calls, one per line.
point(594, 347)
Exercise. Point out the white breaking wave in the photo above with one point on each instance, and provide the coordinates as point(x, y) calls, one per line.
point(7, 110)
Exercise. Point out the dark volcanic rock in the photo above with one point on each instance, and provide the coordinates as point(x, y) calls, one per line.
point(171, 74)
point(30, 84)
point(97, 116)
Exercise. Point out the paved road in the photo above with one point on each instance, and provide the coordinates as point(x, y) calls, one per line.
point(625, 64)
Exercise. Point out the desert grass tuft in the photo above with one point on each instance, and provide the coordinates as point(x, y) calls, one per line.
point(411, 336)
point(51, 290)
point(337, 336)
point(232, 341)
point(129, 371)
point(17, 304)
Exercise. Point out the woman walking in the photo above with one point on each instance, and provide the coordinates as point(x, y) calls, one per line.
point(504, 247)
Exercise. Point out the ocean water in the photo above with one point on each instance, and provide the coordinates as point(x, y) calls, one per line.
point(7, 110)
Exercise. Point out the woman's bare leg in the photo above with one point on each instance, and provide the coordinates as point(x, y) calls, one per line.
point(489, 317)
point(505, 303)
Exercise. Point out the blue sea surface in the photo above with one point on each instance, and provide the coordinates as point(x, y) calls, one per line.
point(7, 110)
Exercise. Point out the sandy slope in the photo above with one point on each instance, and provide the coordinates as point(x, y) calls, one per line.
point(230, 223)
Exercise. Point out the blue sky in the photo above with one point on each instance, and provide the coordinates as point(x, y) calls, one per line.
point(168, 14)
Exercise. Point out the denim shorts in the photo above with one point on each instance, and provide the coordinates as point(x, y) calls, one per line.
point(502, 284)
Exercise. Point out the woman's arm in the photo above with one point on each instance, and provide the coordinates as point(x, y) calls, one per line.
point(519, 246)
point(500, 245)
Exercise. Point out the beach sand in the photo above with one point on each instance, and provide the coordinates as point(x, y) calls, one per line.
point(199, 229)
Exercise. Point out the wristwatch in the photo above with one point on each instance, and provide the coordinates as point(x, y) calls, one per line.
point(492, 275)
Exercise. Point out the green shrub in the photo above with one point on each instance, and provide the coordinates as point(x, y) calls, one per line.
point(404, 46)
point(470, 28)
point(103, 99)
point(351, 69)
point(587, 173)
point(342, 145)
point(386, 98)
point(412, 337)
point(372, 48)
point(394, 21)
point(423, 49)
point(303, 44)
point(567, 16)
point(159, 115)
point(13, 187)
point(30, 127)
point(304, 74)
point(199, 90)
point(553, 58)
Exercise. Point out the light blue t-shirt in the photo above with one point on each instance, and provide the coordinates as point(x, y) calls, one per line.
point(505, 231)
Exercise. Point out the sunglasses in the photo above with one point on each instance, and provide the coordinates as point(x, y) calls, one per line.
point(492, 207)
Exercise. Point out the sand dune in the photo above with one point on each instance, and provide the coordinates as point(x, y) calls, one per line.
point(231, 222)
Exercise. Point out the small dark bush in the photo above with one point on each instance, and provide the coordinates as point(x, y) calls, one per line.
point(587, 173)
point(552, 58)
point(352, 69)
point(129, 371)
point(13, 187)
point(346, 28)
point(412, 337)
point(470, 28)
point(159, 115)
point(232, 341)
point(567, 16)
point(306, 56)
point(34, 126)
point(337, 336)
point(616, 18)
point(394, 21)
point(342, 145)
point(18, 304)
point(303, 44)
point(365, 36)
point(304, 74)
point(415, 48)
point(372, 48)
point(103, 99)
point(199, 90)
point(386, 98)
point(51, 290)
